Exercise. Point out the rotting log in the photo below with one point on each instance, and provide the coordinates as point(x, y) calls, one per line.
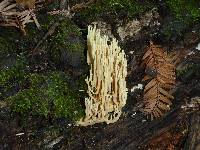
point(131, 132)
point(134, 132)
point(193, 139)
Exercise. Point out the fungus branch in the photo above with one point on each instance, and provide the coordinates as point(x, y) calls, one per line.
point(106, 83)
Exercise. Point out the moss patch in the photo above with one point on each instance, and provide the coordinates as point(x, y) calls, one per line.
point(66, 45)
point(8, 75)
point(33, 91)
point(5, 47)
point(66, 30)
point(7, 52)
point(115, 8)
point(173, 29)
point(185, 10)
point(48, 95)
point(13, 77)
point(184, 14)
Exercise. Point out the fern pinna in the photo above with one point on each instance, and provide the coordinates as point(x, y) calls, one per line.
point(157, 97)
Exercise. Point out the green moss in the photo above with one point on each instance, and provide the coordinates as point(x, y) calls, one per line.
point(188, 71)
point(5, 46)
point(66, 33)
point(66, 44)
point(7, 50)
point(185, 10)
point(48, 95)
point(12, 78)
point(9, 33)
point(8, 75)
point(173, 29)
point(30, 99)
point(66, 100)
point(115, 8)
point(184, 14)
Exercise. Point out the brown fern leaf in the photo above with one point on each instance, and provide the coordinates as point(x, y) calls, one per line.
point(157, 97)
point(26, 3)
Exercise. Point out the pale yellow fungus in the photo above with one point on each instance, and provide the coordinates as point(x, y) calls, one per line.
point(106, 84)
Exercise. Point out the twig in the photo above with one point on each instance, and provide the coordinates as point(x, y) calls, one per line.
point(49, 33)
point(69, 12)
point(81, 5)
point(65, 12)
point(62, 4)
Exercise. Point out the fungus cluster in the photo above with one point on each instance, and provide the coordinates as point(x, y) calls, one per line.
point(107, 92)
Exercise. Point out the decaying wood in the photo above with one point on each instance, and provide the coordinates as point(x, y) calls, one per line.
point(157, 98)
point(133, 133)
point(193, 140)
point(168, 138)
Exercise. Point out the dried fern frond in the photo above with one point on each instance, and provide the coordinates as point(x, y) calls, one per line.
point(157, 98)
point(11, 15)
point(26, 17)
point(106, 84)
point(7, 7)
point(26, 3)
